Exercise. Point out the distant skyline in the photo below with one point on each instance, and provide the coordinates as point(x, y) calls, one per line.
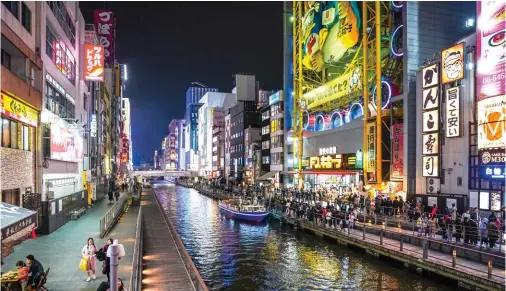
point(166, 49)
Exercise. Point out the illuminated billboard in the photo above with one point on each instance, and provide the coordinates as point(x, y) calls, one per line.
point(452, 62)
point(93, 62)
point(105, 24)
point(491, 49)
point(492, 122)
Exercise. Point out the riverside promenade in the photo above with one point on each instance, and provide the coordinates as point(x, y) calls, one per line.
point(61, 250)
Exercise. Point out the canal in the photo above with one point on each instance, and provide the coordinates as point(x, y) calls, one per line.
point(234, 255)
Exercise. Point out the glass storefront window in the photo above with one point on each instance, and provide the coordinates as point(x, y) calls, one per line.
point(6, 133)
point(484, 200)
point(14, 134)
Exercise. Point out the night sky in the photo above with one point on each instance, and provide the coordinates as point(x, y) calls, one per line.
point(167, 45)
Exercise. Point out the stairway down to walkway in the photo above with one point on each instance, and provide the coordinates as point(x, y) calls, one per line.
point(164, 268)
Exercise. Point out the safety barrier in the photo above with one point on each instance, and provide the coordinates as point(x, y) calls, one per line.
point(136, 277)
point(110, 218)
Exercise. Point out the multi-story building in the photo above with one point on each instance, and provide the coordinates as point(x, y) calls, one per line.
point(242, 115)
point(181, 145)
point(218, 151)
point(172, 145)
point(252, 142)
point(22, 102)
point(193, 95)
point(211, 113)
point(126, 133)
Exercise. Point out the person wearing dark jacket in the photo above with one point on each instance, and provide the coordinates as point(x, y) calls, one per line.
point(36, 270)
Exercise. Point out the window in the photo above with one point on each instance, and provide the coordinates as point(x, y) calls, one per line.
point(6, 60)
point(16, 135)
point(6, 133)
point(265, 145)
point(277, 141)
point(58, 102)
point(61, 56)
point(266, 160)
point(64, 19)
point(265, 130)
point(26, 17)
point(13, 7)
point(11, 196)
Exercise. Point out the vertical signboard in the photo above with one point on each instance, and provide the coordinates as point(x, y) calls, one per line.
point(452, 60)
point(430, 121)
point(491, 49)
point(93, 62)
point(452, 118)
point(105, 24)
point(398, 151)
point(371, 151)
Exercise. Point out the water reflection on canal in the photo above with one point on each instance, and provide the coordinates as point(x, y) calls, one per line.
point(233, 255)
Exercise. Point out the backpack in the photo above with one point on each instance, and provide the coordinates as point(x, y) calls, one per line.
point(100, 255)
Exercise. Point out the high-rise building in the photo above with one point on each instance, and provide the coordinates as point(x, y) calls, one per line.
point(193, 95)
point(172, 145)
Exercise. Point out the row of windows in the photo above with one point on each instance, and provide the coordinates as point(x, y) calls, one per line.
point(57, 103)
point(26, 14)
point(236, 135)
point(16, 135)
point(236, 148)
point(265, 130)
point(61, 56)
point(265, 115)
point(277, 158)
point(265, 145)
point(266, 160)
point(276, 109)
point(277, 141)
point(64, 19)
point(276, 125)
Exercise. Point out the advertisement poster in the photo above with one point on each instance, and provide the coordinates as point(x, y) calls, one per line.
point(371, 150)
point(398, 151)
point(105, 24)
point(65, 145)
point(19, 111)
point(491, 49)
point(495, 200)
point(452, 63)
point(492, 122)
point(453, 112)
point(93, 62)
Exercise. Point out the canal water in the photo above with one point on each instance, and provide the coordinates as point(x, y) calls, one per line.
point(234, 255)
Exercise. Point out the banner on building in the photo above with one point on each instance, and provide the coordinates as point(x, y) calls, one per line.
point(491, 41)
point(371, 151)
point(452, 62)
point(492, 157)
point(492, 122)
point(105, 24)
point(93, 62)
point(452, 112)
point(18, 110)
point(65, 145)
point(93, 125)
point(430, 121)
point(398, 151)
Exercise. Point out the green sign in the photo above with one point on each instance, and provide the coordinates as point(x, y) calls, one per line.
point(359, 159)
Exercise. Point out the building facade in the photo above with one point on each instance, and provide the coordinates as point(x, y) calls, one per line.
point(22, 103)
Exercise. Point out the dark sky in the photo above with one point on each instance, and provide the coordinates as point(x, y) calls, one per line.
point(167, 45)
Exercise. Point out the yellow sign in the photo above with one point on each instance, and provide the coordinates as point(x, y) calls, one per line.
point(84, 179)
point(452, 61)
point(326, 162)
point(337, 88)
point(19, 110)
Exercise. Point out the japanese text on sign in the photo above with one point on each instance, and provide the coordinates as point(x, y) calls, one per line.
point(18, 226)
point(430, 144)
point(430, 121)
point(104, 22)
point(453, 112)
point(328, 151)
point(398, 151)
point(430, 166)
point(371, 148)
point(94, 62)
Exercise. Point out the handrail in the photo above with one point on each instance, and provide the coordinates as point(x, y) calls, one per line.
point(136, 276)
point(111, 216)
point(197, 281)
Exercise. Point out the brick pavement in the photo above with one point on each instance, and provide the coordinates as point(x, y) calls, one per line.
point(61, 250)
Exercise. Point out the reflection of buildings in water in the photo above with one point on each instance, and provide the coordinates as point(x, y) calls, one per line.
point(326, 266)
point(271, 251)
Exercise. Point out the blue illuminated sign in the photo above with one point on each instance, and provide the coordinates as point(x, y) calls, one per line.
point(493, 172)
point(274, 98)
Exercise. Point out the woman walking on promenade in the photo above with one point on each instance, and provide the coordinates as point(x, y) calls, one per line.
point(88, 253)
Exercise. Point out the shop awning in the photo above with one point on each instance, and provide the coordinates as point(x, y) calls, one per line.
point(267, 176)
point(15, 219)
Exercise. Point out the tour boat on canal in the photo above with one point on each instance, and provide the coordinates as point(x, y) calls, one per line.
point(234, 209)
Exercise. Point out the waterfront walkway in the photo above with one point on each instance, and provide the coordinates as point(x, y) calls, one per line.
point(164, 268)
point(61, 250)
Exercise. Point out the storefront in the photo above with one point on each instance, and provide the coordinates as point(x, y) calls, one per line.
point(19, 121)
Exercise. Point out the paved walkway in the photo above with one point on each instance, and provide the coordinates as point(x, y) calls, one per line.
point(61, 250)
point(164, 268)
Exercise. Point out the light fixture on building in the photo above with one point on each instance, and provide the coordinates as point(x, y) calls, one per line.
point(470, 22)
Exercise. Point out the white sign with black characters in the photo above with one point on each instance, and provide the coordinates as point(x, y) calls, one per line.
point(430, 166)
point(433, 185)
point(430, 121)
point(430, 98)
point(453, 112)
point(430, 143)
point(430, 76)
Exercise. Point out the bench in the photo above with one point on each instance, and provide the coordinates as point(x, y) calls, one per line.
point(76, 214)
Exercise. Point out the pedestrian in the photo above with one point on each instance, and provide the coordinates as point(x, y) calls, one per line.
point(109, 194)
point(453, 212)
point(117, 195)
point(105, 286)
point(106, 266)
point(89, 252)
point(23, 271)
